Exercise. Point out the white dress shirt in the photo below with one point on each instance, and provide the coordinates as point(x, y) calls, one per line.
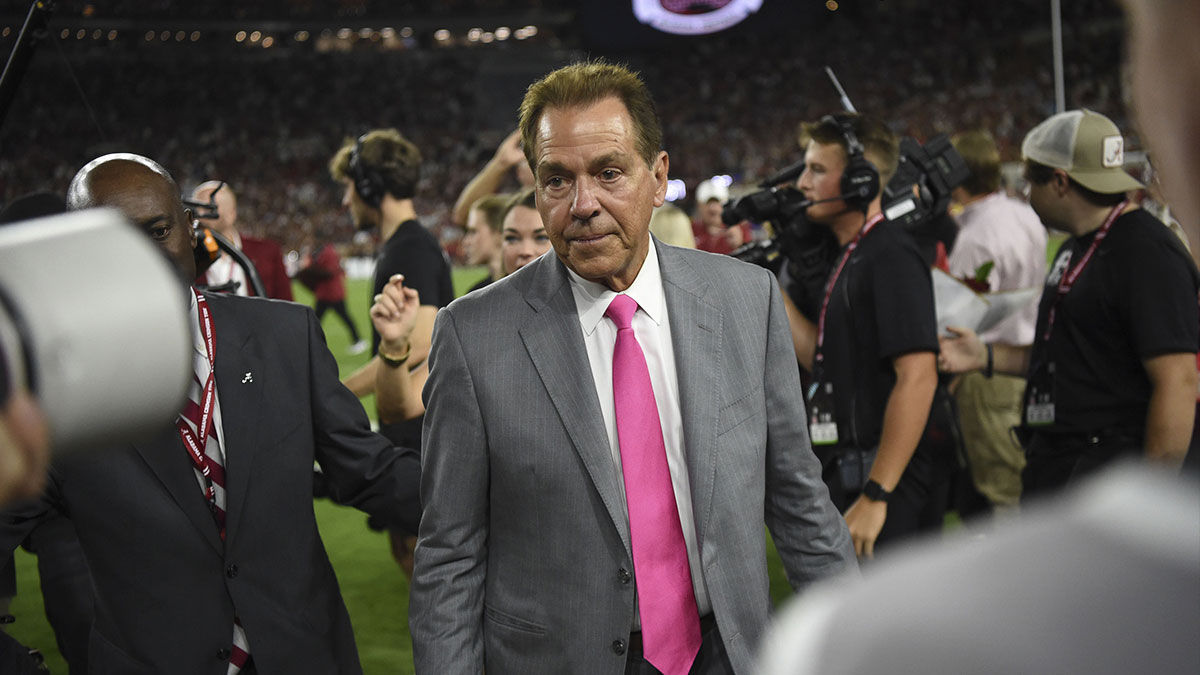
point(1007, 232)
point(653, 331)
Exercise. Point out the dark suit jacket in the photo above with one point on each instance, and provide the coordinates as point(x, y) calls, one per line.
point(167, 588)
point(523, 561)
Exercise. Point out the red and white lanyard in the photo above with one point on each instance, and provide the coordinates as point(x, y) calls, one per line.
point(866, 229)
point(195, 441)
point(1072, 275)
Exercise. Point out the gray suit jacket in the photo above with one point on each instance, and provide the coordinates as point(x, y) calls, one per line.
point(167, 587)
point(523, 559)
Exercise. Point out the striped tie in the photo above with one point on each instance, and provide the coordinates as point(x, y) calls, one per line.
point(213, 486)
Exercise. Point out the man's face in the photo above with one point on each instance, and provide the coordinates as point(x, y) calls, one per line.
point(822, 179)
point(710, 215)
point(480, 242)
point(525, 238)
point(1044, 201)
point(226, 208)
point(594, 191)
point(361, 213)
point(152, 204)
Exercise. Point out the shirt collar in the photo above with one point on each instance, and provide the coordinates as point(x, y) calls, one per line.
point(592, 299)
point(194, 322)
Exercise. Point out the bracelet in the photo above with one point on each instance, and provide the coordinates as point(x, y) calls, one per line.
point(991, 362)
point(396, 361)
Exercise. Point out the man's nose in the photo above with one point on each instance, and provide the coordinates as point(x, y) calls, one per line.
point(584, 206)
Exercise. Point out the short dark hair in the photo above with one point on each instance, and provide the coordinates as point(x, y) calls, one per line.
point(982, 157)
point(386, 153)
point(877, 139)
point(1040, 174)
point(588, 82)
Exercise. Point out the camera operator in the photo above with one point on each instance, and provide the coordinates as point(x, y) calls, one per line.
point(871, 351)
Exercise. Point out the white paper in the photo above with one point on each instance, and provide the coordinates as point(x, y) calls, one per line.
point(959, 305)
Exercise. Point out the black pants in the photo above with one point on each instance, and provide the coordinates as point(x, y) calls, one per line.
point(339, 308)
point(1052, 461)
point(710, 660)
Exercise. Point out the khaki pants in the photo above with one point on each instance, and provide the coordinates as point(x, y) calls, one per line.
point(988, 409)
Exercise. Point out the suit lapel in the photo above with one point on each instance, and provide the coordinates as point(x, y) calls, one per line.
point(240, 393)
point(556, 349)
point(167, 458)
point(696, 331)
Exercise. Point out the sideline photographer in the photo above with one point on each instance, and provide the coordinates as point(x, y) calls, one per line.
point(871, 351)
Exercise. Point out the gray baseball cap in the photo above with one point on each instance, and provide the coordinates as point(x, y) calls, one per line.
point(1085, 144)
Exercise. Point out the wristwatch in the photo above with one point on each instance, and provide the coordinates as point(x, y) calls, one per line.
point(875, 492)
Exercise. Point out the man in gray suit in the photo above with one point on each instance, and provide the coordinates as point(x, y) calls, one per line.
point(547, 544)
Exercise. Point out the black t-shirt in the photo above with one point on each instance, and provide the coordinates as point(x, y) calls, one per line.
point(414, 252)
point(1136, 299)
point(881, 307)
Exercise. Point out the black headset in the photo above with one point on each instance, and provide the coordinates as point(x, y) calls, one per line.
point(367, 182)
point(860, 179)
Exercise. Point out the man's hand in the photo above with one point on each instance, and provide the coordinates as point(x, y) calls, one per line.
point(394, 315)
point(24, 448)
point(961, 353)
point(865, 518)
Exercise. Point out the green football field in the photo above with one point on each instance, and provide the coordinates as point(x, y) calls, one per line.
point(375, 590)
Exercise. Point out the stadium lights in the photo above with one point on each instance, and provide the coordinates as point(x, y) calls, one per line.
point(165, 35)
point(387, 33)
point(301, 36)
point(149, 36)
point(267, 42)
point(112, 35)
point(406, 32)
point(487, 37)
point(503, 32)
point(6, 31)
point(344, 33)
point(441, 35)
point(255, 36)
point(474, 33)
point(240, 37)
point(676, 190)
point(831, 5)
point(195, 36)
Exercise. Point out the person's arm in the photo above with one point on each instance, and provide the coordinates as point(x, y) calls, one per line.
point(24, 448)
point(903, 423)
point(804, 333)
point(490, 178)
point(362, 469)
point(394, 314)
point(810, 535)
point(964, 352)
point(362, 381)
point(1172, 409)
point(450, 566)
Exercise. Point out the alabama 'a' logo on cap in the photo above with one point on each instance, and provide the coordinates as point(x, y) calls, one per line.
point(1114, 152)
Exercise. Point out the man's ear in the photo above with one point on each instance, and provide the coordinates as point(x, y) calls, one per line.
point(661, 168)
point(191, 221)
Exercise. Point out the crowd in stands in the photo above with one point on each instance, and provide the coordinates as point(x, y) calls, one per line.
point(268, 121)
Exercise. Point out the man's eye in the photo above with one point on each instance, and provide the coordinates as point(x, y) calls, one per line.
point(555, 182)
point(609, 174)
point(160, 232)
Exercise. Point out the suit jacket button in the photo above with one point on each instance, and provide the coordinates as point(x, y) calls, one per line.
point(618, 647)
point(223, 654)
point(624, 575)
point(231, 571)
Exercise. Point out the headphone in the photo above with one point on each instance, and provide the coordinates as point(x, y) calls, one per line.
point(860, 179)
point(367, 182)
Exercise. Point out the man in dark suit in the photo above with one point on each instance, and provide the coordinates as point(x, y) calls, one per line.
point(208, 571)
point(566, 530)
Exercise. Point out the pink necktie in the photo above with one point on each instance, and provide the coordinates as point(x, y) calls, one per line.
point(670, 621)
